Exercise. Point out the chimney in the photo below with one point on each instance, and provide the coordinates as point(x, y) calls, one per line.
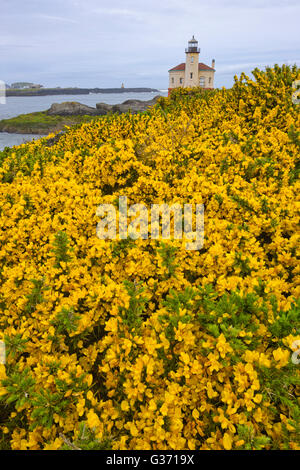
point(213, 63)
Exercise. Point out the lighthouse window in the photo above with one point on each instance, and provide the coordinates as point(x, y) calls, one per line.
point(192, 59)
point(181, 80)
point(191, 74)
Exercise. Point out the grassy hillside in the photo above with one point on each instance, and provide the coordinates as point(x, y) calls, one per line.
point(141, 344)
point(40, 123)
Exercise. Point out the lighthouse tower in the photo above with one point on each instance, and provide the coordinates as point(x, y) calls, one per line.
point(192, 73)
point(191, 78)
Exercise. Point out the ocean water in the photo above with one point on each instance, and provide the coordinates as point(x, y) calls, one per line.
point(16, 105)
point(9, 140)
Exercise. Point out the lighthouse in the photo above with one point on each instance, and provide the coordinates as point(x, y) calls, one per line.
point(192, 73)
point(191, 64)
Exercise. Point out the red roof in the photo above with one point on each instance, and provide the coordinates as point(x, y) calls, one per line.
point(181, 67)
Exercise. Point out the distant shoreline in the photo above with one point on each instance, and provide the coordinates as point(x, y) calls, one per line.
point(75, 91)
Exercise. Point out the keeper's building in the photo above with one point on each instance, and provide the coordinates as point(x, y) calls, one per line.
point(192, 73)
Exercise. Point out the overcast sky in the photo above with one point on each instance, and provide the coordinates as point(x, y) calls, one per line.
point(104, 43)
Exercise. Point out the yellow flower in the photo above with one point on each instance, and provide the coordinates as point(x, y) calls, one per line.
point(124, 405)
point(55, 445)
point(281, 356)
point(133, 429)
point(258, 398)
point(227, 441)
point(80, 406)
point(156, 344)
point(185, 357)
point(210, 392)
point(93, 420)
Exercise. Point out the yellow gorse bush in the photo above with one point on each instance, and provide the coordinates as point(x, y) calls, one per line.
point(123, 344)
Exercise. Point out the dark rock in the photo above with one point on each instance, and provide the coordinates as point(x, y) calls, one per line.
point(71, 108)
point(103, 108)
point(53, 140)
point(134, 106)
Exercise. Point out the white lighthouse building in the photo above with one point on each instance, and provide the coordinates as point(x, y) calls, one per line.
point(192, 73)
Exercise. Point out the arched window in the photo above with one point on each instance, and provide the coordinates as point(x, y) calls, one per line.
point(202, 82)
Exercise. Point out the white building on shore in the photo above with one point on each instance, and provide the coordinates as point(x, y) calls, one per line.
point(192, 73)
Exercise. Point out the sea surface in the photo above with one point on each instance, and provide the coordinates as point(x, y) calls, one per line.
point(16, 105)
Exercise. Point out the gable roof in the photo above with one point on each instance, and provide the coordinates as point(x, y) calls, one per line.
point(181, 67)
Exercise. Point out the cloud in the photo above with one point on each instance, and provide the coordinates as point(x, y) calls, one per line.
point(117, 12)
point(55, 18)
point(101, 42)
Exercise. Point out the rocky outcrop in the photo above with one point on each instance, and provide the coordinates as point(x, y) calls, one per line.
point(71, 108)
point(69, 113)
point(103, 108)
point(134, 106)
